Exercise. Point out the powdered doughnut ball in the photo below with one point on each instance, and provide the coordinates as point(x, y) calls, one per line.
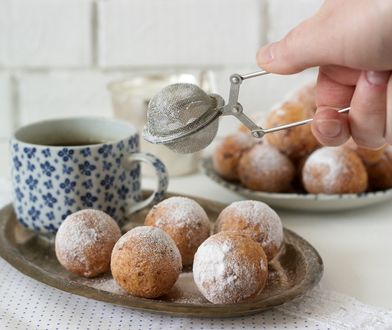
point(84, 242)
point(184, 220)
point(255, 219)
point(264, 168)
point(228, 153)
point(368, 156)
point(380, 173)
point(336, 170)
point(306, 96)
point(257, 118)
point(146, 262)
point(295, 142)
point(230, 267)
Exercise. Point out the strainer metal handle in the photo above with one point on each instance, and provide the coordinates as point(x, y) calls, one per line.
point(234, 108)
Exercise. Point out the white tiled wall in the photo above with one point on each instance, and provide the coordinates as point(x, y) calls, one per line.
point(56, 56)
point(6, 121)
point(45, 33)
point(178, 32)
point(285, 14)
point(60, 93)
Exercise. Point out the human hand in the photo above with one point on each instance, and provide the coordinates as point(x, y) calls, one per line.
point(351, 43)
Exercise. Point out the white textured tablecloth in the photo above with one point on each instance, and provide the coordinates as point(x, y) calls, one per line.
point(28, 304)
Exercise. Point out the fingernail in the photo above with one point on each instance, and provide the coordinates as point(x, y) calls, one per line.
point(265, 54)
point(378, 77)
point(329, 127)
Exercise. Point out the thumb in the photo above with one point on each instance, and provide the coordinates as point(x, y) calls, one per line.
point(300, 49)
point(351, 33)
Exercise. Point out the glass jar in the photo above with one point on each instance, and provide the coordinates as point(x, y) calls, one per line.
point(130, 98)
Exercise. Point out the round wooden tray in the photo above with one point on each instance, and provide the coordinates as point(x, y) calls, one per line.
point(296, 269)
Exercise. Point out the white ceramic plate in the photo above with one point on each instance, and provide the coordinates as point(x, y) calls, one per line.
point(304, 202)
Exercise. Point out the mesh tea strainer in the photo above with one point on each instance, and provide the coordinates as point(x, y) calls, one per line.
point(185, 119)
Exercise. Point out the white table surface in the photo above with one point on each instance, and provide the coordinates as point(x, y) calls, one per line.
point(355, 245)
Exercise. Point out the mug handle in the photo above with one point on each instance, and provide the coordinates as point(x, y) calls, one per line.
point(162, 175)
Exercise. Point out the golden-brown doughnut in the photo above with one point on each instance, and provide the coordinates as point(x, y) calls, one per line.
point(230, 267)
point(380, 173)
point(184, 220)
point(264, 168)
point(258, 118)
point(255, 219)
point(334, 170)
point(84, 242)
point(228, 153)
point(368, 156)
point(306, 96)
point(146, 262)
point(295, 142)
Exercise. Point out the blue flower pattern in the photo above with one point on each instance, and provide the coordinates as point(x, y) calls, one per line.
point(108, 197)
point(68, 185)
point(30, 152)
point(122, 192)
point(34, 213)
point(121, 145)
point(86, 168)
point(88, 199)
point(47, 168)
point(122, 176)
point(31, 182)
point(48, 184)
point(52, 183)
point(49, 200)
point(69, 201)
point(17, 163)
point(66, 154)
point(51, 228)
point(30, 166)
point(107, 165)
point(107, 182)
point(46, 153)
point(66, 214)
point(86, 152)
point(67, 169)
point(32, 198)
point(105, 150)
point(110, 210)
point(88, 184)
point(19, 194)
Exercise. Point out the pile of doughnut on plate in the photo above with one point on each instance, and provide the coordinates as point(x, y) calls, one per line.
point(228, 267)
point(292, 160)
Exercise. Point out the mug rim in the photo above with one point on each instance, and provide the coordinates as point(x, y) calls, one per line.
point(132, 130)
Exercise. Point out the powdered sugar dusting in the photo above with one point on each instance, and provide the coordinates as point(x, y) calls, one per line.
point(181, 212)
point(266, 158)
point(222, 273)
point(329, 162)
point(154, 240)
point(259, 214)
point(185, 291)
point(83, 230)
point(105, 283)
point(242, 140)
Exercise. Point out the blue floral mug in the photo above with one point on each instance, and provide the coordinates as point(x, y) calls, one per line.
point(65, 165)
